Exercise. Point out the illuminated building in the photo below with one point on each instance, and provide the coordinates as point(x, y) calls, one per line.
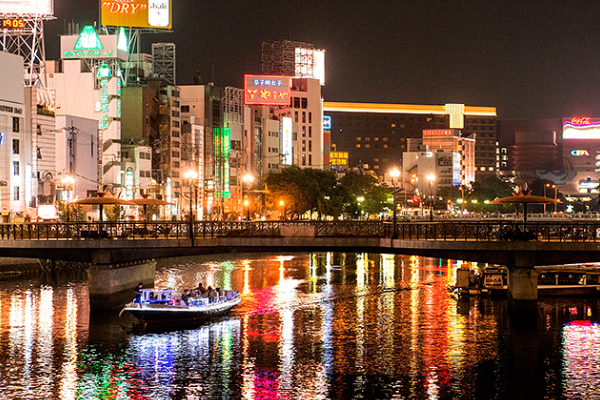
point(15, 141)
point(376, 135)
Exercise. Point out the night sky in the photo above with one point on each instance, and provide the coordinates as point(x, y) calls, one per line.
point(529, 58)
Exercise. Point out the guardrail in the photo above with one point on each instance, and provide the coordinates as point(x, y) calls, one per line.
point(482, 231)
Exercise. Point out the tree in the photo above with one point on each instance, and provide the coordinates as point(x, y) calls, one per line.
point(488, 189)
point(374, 194)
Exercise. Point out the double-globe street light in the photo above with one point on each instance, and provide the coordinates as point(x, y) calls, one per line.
point(548, 185)
point(191, 176)
point(431, 180)
point(248, 179)
point(68, 182)
point(394, 173)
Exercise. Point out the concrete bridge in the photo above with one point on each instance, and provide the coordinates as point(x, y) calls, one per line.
point(112, 249)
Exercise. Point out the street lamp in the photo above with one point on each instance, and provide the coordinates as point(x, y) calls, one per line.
point(394, 173)
point(68, 182)
point(282, 210)
point(548, 185)
point(191, 175)
point(248, 179)
point(431, 180)
point(360, 199)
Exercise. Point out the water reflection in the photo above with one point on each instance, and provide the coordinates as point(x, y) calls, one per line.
point(318, 326)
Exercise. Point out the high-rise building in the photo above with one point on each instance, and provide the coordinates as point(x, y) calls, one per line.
point(376, 135)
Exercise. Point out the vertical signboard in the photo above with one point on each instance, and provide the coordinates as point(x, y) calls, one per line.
point(286, 141)
point(27, 7)
point(222, 150)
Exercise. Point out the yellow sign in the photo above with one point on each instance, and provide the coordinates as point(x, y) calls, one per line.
point(153, 14)
point(338, 154)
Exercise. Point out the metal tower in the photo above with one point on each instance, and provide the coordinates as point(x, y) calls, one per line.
point(23, 35)
point(163, 61)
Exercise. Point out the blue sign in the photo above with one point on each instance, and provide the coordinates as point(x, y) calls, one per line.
point(1, 139)
point(326, 122)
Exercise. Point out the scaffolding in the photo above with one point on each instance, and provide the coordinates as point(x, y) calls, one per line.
point(163, 62)
point(287, 57)
point(27, 41)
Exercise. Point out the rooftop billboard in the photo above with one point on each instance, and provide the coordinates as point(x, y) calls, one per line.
point(153, 14)
point(26, 7)
point(267, 90)
point(581, 128)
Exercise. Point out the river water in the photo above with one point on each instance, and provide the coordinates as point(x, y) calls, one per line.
point(310, 326)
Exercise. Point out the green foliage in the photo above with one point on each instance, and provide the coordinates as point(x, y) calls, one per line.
point(113, 213)
point(488, 189)
point(375, 195)
point(75, 212)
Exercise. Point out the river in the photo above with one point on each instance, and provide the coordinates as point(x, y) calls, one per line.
point(310, 326)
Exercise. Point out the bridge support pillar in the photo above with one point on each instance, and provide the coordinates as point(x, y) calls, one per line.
point(112, 285)
point(523, 294)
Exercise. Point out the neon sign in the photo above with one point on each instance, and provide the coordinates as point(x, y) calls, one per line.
point(581, 120)
point(267, 90)
point(326, 122)
point(577, 153)
point(581, 128)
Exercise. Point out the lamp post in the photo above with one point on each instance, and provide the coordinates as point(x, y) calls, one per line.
point(547, 185)
point(282, 209)
point(394, 173)
point(68, 183)
point(360, 199)
point(248, 179)
point(431, 180)
point(191, 175)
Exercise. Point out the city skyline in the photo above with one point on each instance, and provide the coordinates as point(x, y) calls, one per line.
point(533, 60)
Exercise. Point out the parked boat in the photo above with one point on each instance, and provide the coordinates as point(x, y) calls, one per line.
point(159, 306)
point(553, 280)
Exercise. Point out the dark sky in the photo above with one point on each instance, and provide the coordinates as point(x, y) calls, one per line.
point(528, 58)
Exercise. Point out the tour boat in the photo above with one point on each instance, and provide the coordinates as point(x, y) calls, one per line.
point(163, 305)
point(553, 280)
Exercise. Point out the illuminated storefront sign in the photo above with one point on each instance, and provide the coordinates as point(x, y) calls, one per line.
point(326, 122)
point(286, 141)
point(438, 132)
point(273, 90)
point(104, 74)
point(91, 45)
point(338, 158)
point(578, 153)
point(581, 128)
point(155, 14)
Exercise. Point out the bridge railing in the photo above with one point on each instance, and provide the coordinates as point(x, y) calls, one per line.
point(436, 231)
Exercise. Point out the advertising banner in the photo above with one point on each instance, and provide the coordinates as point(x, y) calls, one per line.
point(153, 14)
point(26, 7)
point(581, 128)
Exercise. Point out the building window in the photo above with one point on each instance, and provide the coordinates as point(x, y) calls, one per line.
point(296, 102)
point(15, 124)
point(295, 116)
point(358, 145)
point(39, 129)
point(175, 154)
point(175, 124)
point(304, 102)
point(39, 153)
point(16, 194)
point(367, 146)
point(15, 168)
point(185, 109)
point(175, 164)
point(176, 145)
point(15, 146)
point(304, 145)
point(310, 118)
point(310, 131)
point(358, 138)
point(310, 145)
point(175, 174)
point(310, 159)
point(303, 159)
point(303, 131)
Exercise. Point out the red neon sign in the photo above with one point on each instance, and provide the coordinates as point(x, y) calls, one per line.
point(581, 120)
point(267, 90)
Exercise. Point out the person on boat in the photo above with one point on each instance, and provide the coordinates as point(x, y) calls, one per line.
point(138, 292)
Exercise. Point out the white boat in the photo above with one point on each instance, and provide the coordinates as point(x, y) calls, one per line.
point(553, 280)
point(164, 305)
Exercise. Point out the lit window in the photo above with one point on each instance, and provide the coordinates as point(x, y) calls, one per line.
point(358, 145)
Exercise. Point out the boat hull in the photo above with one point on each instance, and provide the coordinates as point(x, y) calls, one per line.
point(161, 313)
